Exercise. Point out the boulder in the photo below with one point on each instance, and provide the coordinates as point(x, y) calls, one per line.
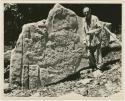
point(64, 51)
point(28, 50)
point(52, 48)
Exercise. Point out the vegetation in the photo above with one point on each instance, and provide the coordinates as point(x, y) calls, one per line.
point(16, 15)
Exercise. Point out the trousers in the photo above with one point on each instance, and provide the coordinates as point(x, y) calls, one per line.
point(95, 55)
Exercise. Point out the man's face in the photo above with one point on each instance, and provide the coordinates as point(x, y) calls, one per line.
point(86, 12)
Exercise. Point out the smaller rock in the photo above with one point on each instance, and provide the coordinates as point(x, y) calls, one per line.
point(44, 89)
point(109, 85)
point(6, 80)
point(85, 81)
point(115, 67)
point(7, 55)
point(82, 91)
point(7, 88)
point(97, 73)
point(14, 86)
point(36, 94)
point(86, 73)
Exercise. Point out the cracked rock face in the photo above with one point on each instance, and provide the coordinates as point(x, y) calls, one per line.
point(54, 46)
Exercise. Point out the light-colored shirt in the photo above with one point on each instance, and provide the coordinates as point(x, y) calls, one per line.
point(92, 39)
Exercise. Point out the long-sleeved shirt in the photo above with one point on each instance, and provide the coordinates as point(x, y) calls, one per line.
point(92, 30)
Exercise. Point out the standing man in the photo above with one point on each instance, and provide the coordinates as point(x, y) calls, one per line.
point(92, 29)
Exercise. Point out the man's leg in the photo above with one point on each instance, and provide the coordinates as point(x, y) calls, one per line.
point(92, 60)
point(99, 57)
point(88, 40)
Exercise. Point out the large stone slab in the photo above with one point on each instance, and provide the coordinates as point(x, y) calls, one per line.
point(55, 45)
point(28, 50)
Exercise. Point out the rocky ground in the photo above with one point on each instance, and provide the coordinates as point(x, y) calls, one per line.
point(100, 83)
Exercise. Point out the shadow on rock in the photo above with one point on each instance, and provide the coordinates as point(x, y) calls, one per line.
point(106, 65)
point(109, 49)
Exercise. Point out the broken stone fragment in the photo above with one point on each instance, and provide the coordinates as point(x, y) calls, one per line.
point(85, 81)
point(86, 73)
point(31, 40)
point(97, 73)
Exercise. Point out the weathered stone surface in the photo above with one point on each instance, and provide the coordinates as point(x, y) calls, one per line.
point(85, 81)
point(25, 77)
point(28, 50)
point(34, 81)
point(56, 45)
point(86, 73)
point(30, 76)
point(61, 18)
point(97, 73)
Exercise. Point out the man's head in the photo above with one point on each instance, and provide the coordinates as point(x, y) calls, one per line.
point(87, 11)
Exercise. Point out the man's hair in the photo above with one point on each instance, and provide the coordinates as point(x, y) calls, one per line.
point(88, 8)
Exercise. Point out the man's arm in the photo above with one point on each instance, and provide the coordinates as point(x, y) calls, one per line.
point(94, 31)
point(97, 25)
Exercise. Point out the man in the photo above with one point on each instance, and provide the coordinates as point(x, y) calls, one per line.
point(92, 29)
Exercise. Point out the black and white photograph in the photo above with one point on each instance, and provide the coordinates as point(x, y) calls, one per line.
point(58, 49)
